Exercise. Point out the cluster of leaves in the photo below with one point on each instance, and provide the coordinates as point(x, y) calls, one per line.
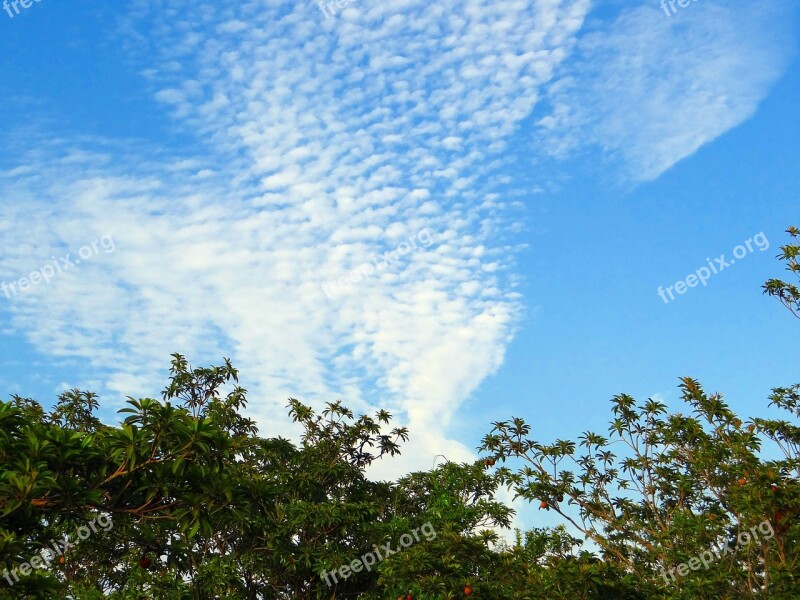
point(664, 488)
point(204, 508)
point(786, 292)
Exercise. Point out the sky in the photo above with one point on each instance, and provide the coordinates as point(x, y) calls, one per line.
point(460, 211)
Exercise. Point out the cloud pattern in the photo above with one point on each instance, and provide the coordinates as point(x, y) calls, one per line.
point(323, 143)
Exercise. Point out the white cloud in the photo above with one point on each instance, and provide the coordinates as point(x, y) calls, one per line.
point(322, 143)
point(651, 89)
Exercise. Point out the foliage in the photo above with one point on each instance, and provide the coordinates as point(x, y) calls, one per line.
point(788, 293)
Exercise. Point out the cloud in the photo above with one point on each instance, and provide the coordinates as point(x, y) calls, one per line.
point(650, 89)
point(321, 143)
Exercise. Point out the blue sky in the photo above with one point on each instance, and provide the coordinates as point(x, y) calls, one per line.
point(565, 159)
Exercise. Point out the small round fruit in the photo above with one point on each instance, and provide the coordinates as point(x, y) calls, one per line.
point(144, 563)
point(543, 505)
point(742, 481)
point(62, 560)
point(467, 591)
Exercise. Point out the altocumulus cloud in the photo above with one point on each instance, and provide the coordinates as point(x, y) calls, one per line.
point(320, 143)
point(339, 141)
